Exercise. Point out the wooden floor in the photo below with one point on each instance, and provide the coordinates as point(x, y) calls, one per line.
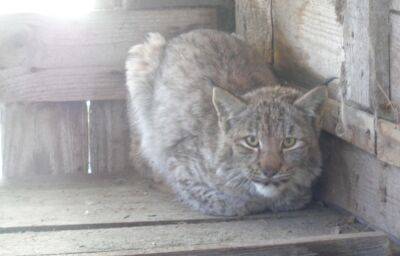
point(128, 216)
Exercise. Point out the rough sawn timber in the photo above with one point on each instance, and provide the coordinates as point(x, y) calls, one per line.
point(47, 59)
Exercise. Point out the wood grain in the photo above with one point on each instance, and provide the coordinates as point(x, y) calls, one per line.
point(308, 40)
point(47, 59)
point(45, 138)
point(388, 142)
point(395, 5)
point(395, 59)
point(358, 127)
point(109, 137)
point(200, 239)
point(84, 201)
point(125, 215)
point(66, 84)
point(254, 24)
point(366, 41)
point(225, 8)
point(358, 182)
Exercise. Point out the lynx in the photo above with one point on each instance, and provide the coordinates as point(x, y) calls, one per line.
point(215, 123)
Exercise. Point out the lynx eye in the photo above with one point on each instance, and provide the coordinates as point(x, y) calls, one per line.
point(252, 141)
point(289, 142)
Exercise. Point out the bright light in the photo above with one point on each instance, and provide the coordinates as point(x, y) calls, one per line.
point(58, 8)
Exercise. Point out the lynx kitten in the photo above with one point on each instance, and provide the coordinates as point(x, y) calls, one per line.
point(213, 121)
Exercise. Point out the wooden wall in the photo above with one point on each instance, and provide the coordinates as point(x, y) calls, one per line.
point(50, 68)
point(309, 41)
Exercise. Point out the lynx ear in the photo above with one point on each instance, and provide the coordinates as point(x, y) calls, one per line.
point(313, 101)
point(226, 104)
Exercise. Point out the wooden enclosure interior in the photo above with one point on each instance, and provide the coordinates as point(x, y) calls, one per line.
point(70, 187)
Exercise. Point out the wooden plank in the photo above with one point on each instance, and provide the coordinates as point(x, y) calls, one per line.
point(256, 238)
point(159, 4)
point(254, 24)
point(358, 127)
point(48, 51)
point(360, 183)
point(366, 47)
point(395, 5)
point(45, 138)
point(109, 137)
point(308, 40)
point(67, 84)
point(395, 59)
point(76, 202)
point(388, 142)
point(225, 8)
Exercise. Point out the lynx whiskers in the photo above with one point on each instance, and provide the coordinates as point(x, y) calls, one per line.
point(214, 122)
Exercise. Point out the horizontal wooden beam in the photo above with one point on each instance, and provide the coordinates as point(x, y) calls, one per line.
point(65, 84)
point(48, 59)
point(357, 126)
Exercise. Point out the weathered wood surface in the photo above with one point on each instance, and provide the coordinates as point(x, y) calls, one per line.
point(45, 59)
point(148, 4)
point(225, 8)
point(109, 137)
point(395, 5)
point(358, 182)
point(44, 138)
point(254, 24)
point(357, 128)
point(388, 142)
point(308, 40)
point(65, 84)
point(127, 216)
point(395, 59)
point(73, 202)
point(366, 47)
point(256, 238)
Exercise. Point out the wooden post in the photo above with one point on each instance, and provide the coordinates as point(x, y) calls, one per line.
point(366, 47)
point(254, 24)
point(395, 59)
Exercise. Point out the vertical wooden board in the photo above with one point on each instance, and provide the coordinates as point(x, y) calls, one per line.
point(308, 40)
point(395, 5)
point(388, 142)
point(44, 138)
point(366, 47)
point(358, 182)
point(254, 24)
point(395, 58)
point(109, 137)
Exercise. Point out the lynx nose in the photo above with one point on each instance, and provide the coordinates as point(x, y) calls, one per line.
point(270, 172)
point(271, 164)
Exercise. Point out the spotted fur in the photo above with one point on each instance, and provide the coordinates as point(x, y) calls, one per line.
point(195, 99)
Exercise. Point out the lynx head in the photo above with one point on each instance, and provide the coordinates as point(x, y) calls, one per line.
point(269, 138)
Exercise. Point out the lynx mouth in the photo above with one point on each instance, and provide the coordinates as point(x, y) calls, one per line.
point(275, 180)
